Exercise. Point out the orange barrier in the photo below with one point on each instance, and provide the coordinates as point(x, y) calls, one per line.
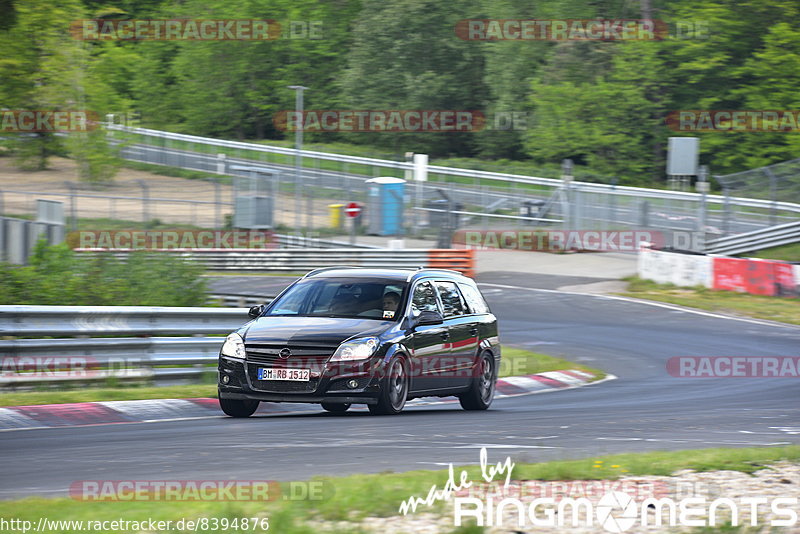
point(461, 260)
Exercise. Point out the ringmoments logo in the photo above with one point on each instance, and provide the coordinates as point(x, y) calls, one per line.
point(615, 511)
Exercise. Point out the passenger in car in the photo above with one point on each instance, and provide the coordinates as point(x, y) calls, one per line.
point(390, 301)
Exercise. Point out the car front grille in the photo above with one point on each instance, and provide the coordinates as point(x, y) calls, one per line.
point(312, 357)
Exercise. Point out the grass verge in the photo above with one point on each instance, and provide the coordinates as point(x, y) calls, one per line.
point(96, 394)
point(789, 253)
point(785, 310)
point(516, 362)
point(357, 496)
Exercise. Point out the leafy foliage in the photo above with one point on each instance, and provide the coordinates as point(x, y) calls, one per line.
point(600, 103)
point(57, 276)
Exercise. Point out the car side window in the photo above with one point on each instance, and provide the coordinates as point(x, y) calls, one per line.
point(451, 299)
point(424, 299)
point(474, 298)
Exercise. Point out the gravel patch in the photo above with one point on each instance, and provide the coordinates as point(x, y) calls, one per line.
point(779, 480)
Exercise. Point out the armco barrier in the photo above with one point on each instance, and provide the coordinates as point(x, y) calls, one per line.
point(23, 321)
point(302, 260)
point(743, 275)
point(32, 360)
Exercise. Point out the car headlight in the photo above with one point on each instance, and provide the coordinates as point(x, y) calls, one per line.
point(233, 346)
point(356, 349)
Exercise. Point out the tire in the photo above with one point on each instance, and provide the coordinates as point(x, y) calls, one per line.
point(335, 407)
point(481, 392)
point(394, 390)
point(238, 408)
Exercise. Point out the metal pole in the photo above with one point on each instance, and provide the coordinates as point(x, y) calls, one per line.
point(566, 179)
point(217, 204)
point(773, 196)
point(298, 158)
point(72, 208)
point(726, 211)
point(613, 203)
point(145, 201)
point(702, 186)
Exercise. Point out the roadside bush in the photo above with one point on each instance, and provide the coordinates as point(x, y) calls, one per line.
point(58, 276)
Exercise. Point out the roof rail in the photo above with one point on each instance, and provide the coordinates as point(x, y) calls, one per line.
point(333, 267)
point(433, 269)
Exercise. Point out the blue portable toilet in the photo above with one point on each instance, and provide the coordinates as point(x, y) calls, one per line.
point(385, 199)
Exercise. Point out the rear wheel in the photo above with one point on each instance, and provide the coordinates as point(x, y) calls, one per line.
point(335, 407)
point(481, 392)
point(238, 408)
point(394, 390)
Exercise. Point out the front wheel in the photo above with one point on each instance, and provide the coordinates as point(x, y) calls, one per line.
point(238, 408)
point(335, 407)
point(481, 391)
point(394, 390)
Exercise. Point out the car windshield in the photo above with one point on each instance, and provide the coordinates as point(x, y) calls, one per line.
point(361, 298)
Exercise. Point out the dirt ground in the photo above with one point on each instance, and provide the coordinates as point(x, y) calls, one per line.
point(171, 200)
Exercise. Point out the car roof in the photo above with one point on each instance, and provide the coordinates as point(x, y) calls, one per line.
point(404, 275)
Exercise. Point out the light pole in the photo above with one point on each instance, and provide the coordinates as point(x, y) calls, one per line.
point(298, 145)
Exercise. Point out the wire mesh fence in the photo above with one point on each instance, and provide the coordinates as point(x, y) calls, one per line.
point(309, 198)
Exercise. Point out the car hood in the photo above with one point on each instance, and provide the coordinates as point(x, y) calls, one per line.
point(311, 330)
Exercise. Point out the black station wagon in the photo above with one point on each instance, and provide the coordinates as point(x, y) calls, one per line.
point(341, 336)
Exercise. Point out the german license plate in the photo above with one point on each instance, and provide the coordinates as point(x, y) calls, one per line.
point(295, 375)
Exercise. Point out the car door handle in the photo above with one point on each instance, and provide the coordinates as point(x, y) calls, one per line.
point(473, 331)
point(445, 335)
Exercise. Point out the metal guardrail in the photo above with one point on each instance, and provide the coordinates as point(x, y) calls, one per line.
point(30, 321)
point(588, 187)
point(29, 360)
point(238, 300)
point(261, 148)
point(774, 236)
point(292, 241)
point(295, 260)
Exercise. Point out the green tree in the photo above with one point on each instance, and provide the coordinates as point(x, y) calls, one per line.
point(406, 56)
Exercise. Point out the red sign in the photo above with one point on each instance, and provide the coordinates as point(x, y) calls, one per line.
point(730, 274)
point(353, 210)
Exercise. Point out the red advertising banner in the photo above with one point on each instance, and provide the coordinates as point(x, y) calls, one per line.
point(760, 277)
point(730, 274)
point(786, 285)
point(754, 276)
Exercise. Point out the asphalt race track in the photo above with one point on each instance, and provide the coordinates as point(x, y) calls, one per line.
point(644, 409)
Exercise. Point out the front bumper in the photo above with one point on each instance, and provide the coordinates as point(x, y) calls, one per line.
point(363, 398)
point(242, 384)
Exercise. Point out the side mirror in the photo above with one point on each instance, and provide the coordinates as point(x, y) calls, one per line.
point(429, 318)
point(255, 311)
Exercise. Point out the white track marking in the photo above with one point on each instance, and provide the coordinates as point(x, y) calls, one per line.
point(647, 303)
